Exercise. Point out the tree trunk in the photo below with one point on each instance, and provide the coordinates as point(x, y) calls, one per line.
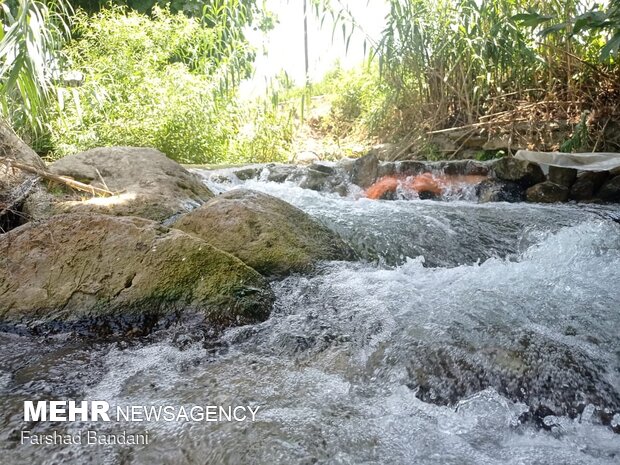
point(15, 184)
point(12, 147)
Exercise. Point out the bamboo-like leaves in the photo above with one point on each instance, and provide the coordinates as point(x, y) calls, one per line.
point(28, 54)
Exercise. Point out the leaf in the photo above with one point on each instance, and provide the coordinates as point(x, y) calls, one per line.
point(589, 20)
point(532, 20)
point(612, 47)
point(553, 29)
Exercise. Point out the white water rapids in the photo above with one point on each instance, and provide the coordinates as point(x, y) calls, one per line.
point(457, 320)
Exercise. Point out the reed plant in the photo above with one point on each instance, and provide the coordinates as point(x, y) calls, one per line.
point(454, 63)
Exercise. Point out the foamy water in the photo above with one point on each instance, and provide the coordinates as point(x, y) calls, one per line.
point(457, 320)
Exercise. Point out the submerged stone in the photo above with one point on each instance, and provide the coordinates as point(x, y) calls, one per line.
point(526, 368)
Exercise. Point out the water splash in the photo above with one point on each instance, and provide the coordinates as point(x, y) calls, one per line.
point(461, 322)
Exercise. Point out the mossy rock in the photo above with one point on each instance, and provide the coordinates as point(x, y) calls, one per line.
point(547, 192)
point(146, 183)
point(267, 233)
point(524, 173)
point(111, 274)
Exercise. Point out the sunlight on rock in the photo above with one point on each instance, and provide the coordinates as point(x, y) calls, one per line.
point(107, 201)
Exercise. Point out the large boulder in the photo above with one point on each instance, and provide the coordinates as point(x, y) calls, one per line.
point(268, 234)
point(587, 184)
point(610, 192)
point(524, 173)
point(146, 182)
point(547, 192)
point(108, 274)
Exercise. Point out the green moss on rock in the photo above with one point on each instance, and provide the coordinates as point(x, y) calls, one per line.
point(268, 234)
point(81, 268)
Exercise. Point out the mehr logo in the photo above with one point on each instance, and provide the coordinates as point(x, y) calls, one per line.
point(99, 410)
point(60, 410)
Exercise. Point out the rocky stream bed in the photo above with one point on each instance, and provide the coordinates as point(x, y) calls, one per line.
point(454, 328)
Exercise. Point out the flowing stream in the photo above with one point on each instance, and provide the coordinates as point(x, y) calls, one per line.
point(465, 334)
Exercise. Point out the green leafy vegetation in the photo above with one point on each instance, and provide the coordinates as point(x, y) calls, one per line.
point(150, 73)
point(357, 98)
point(146, 83)
point(165, 80)
point(459, 60)
point(31, 35)
point(458, 63)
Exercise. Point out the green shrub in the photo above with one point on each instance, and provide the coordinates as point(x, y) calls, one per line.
point(31, 35)
point(154, 81)
point(359, 102)
point(265, 136)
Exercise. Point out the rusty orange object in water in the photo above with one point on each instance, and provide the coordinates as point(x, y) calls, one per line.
point(422, 183)
point(387, 184)
point(426, 183)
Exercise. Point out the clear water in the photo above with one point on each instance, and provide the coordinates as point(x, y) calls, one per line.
point(455, 321)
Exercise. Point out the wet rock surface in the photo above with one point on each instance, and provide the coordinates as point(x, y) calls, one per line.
point(323, 178)
point(540, 373)
point(610, 191)
point(587, 184)
point(460, 167)
point(522, 172)
point(562, 176)
point(279, 173)
point(508, 179)
point(363, 171)
point(265, 232)
point(493, 190)
point(547, 192)
point(410, 168)
point(464, 338)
